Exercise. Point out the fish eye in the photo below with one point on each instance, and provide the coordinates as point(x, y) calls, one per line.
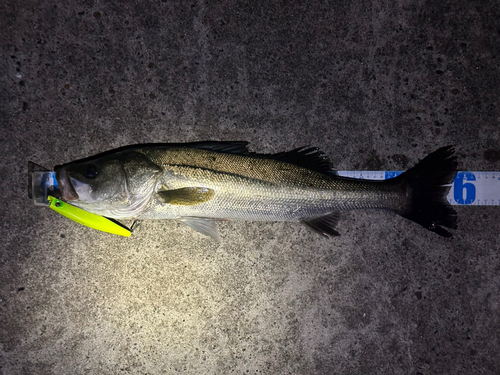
point(91, 171)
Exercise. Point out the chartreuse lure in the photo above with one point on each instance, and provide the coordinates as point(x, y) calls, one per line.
point(87, 218)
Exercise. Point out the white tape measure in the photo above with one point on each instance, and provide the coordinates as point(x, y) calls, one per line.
point(468, 188)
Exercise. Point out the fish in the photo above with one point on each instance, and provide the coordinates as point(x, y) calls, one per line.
point(201, 183)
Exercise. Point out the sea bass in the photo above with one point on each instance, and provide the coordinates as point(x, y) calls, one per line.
point(200, 183)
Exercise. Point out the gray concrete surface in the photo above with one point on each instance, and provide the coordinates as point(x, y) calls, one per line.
point(376, 84)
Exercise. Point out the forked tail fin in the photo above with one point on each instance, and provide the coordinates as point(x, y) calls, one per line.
point(428, 184)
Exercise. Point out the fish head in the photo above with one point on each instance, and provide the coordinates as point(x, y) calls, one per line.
point(117, 185)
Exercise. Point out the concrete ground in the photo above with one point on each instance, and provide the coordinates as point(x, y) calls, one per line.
point(375, 84)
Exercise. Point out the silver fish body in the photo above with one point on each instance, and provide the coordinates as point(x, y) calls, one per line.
point(203, 182)
point(248, 188)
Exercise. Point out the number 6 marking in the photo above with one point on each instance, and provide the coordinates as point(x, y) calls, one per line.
point(460, 187)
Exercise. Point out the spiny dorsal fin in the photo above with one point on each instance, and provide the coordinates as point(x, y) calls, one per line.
point(188, 196)
point(229, 147)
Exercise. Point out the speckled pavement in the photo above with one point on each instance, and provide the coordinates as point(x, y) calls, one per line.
point(375, 84)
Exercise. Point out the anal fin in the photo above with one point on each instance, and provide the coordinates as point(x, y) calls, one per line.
point(324, 225)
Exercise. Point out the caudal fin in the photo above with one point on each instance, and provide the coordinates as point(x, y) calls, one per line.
point(428, 184)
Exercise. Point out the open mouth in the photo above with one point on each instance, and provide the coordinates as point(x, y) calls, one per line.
point(81, 189)
point(65, 185)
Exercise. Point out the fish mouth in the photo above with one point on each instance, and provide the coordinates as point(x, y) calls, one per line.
point(65, 185)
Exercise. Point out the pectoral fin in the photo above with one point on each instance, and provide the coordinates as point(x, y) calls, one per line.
point(202, 225)
point(324, 225)
point(188, 196)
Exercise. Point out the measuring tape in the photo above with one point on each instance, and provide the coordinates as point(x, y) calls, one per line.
point(468, 188)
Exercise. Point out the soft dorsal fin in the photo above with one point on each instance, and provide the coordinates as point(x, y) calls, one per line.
point(311, 158)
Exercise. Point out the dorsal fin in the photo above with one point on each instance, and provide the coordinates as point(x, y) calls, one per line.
point(229, 147)
point(311, 158)
point(307, 157)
